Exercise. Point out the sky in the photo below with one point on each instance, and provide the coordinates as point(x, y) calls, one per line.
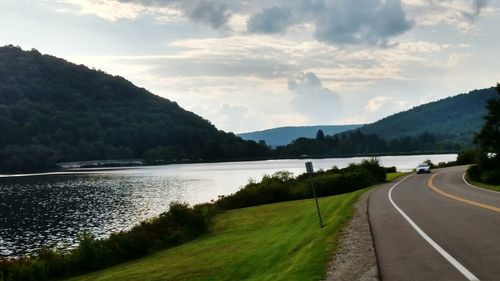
point(253, 65)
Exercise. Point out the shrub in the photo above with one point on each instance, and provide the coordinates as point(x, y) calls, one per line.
point(180, 224)
point(466, 157)
point(281, 186)
point(390, 169)
point(429, 162)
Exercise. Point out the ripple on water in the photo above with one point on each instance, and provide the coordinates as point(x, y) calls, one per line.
point(52, 211)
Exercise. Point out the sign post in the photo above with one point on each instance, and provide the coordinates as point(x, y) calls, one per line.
point(310, 171)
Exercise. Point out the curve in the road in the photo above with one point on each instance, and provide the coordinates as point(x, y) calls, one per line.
point(467, 274)
point(478, 188)
point(431, 185)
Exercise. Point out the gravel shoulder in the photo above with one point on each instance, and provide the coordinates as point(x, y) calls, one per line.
point(355, 258)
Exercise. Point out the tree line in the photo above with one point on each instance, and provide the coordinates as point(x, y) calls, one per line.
point(358, 143)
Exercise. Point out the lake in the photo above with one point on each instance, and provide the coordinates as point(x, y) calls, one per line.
point(51, 209)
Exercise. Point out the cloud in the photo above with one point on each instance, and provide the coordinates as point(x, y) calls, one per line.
point(377, 102)
point(213, 13)
point(271, 20)
point(336, 22)
point(379, 107)
point(460, 14)
point(361, 22)
point(477, 6)
point(316, 102)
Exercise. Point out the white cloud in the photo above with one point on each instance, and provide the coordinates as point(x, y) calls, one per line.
point(317, 103)
point(460, 14)
point(109, 10)
point(375, 103)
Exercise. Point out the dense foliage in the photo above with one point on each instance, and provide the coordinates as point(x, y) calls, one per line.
point(358, 143)
point(52, 110)
point(487, 169)
point(282, 186)
point(454, 119)
point(181, 223)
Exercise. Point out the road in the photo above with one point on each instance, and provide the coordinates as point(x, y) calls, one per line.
point(436, 227)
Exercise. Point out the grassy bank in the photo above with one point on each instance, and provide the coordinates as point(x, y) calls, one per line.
point(483, 185)
point(280, 241)
point(393, 176)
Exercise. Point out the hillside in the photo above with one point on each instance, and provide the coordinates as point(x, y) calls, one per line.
point(52, 111)
point(454, 119)
point(285, 135)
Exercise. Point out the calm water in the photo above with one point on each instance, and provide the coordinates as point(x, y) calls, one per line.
point(52, 209)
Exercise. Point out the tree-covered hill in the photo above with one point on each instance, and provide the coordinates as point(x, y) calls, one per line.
point(52, 111)
point(454, 119)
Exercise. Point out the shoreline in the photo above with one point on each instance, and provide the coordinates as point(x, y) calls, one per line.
point(119, 168)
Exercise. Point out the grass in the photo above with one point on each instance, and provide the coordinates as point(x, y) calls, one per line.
point(393, 176)
point(484, 185)
point(280, 241)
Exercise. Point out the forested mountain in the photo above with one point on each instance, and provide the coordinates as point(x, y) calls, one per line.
point(454, 119)
point(52, 110)
point(285, 135)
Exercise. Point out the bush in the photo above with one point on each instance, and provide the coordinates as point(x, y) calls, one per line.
point(429, 162)
point(476, 173)
point(180, 224)
point(390, 169)
point(281, 186)
point(466, 157)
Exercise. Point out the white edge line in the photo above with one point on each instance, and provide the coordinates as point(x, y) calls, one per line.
point(476, 187)
point(426, 237)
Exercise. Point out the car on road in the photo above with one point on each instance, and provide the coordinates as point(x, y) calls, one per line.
point(423, 168)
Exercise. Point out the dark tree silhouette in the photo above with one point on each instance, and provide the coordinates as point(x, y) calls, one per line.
point(489, 136)
point(487, 169)
point(320, 135)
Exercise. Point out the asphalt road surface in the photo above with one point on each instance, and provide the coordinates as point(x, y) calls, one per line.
point(436, 227)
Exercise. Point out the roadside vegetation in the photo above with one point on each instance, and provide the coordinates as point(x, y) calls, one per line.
point(183, 223)
point(281, 241)
point(483, 185)
point(487, 156)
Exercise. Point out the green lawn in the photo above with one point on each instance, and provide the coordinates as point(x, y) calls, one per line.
point(393, 176)
point(271, 242)
point(483, 185)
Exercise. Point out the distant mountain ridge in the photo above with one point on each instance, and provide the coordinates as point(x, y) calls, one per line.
point(453, 119)
point(285, 135)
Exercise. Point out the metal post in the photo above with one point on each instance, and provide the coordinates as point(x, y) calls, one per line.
point(310, 171)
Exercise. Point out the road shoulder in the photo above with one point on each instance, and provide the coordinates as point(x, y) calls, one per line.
point(355, 258)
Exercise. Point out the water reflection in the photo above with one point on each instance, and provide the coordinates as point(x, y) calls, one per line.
point(53, 209)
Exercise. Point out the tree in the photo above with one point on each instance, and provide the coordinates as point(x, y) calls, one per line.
point(489, 136)
point(320, 135)
point(488, 160)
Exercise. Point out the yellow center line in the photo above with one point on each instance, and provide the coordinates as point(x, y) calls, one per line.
point(431, 185)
